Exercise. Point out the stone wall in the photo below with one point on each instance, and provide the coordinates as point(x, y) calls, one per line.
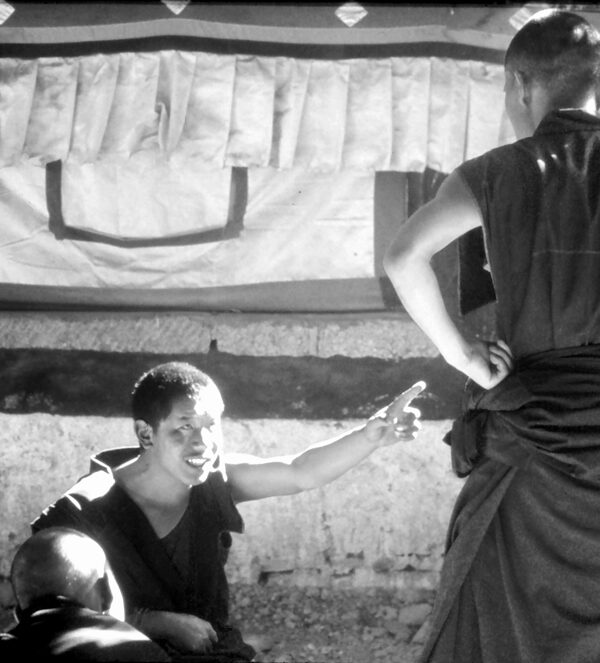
point(383, 335)
point(384, 518)
point(382, 524)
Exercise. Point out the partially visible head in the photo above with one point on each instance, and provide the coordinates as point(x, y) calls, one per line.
point(64, 562)
point(155, 392)
point(558, 54)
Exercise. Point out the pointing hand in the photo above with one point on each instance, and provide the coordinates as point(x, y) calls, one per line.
point(398, 420)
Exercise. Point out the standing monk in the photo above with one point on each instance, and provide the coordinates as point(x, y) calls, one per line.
point(521, 577)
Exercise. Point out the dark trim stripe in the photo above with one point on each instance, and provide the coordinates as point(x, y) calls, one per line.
point(86, 383)
point(291, 34)
point(456, 51)
point(238, 199)
point(313, 296)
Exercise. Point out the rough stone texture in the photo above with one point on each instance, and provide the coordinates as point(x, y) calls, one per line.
point(90, 383)
point(394, 338)
point(382, 524)
point(103, 331)
point(385, 335)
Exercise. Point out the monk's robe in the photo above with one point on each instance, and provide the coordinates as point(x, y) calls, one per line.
point(521, 576)
point(182, 572)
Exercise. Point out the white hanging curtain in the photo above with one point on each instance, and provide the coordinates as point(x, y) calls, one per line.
point(148, 142)
point(326, 233)
point(233, 110)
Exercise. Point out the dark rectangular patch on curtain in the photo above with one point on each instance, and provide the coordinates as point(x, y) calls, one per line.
point(390, 212)
point(212, 231)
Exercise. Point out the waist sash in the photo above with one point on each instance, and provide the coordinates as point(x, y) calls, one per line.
point(548, 409)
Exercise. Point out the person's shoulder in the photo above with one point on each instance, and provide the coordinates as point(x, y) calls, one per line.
point(216, 492)
point(498, 156)
point(215, 487)
point(92, 486)
point(80, 634)
point(80, 503)
point(492, 167)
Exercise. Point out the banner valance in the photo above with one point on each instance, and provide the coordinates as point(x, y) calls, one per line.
point(220, 111)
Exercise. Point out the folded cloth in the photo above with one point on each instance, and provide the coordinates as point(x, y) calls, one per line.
point(549, 407)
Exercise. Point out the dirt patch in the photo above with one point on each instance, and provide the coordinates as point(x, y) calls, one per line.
point(318, 625)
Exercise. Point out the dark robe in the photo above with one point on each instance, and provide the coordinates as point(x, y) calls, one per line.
point(521, 576)
point(186, 576)
point(60, 630)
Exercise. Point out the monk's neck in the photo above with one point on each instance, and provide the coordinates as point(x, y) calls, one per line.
point(153, 487)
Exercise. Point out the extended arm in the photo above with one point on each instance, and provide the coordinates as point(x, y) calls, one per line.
point(187, 633)
point(253, 478)
point(449, 215)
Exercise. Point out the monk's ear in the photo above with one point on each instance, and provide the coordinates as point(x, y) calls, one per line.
point(143, 431)
point(523, 86)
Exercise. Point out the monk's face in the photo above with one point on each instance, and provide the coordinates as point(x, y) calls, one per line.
point(186, 444)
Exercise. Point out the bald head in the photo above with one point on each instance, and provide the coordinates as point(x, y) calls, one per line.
point(559, 51)
point(60, 562)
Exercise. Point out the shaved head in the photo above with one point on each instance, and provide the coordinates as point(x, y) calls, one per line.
point(154, 393)
point(560, 51)
point(60, 562)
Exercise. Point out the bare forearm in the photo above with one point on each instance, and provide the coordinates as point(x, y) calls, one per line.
point(418, 289)
point(449, 215)
point(326, 461)
point(156, 624)
point(183, 631)
point(252, 478)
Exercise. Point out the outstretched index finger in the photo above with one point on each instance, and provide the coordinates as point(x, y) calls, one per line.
point(400, 402)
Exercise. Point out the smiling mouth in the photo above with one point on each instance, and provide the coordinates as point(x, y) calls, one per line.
point(196, 462)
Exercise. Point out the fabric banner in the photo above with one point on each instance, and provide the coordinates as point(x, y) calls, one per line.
point(149, 146)
point(251, 111)
point(298, 226)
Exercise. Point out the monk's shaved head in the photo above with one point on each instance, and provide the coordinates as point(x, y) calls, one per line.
point(155, 392)
point(59, 562)
point(559, 51)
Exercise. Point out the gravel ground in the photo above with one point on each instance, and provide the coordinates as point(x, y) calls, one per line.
point(317, 625)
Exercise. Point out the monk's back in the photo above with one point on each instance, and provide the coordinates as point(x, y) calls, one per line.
point(540, 200)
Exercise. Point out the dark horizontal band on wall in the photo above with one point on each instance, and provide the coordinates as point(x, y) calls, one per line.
point(423, 49)
point(319, 295)
point(86, 383)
